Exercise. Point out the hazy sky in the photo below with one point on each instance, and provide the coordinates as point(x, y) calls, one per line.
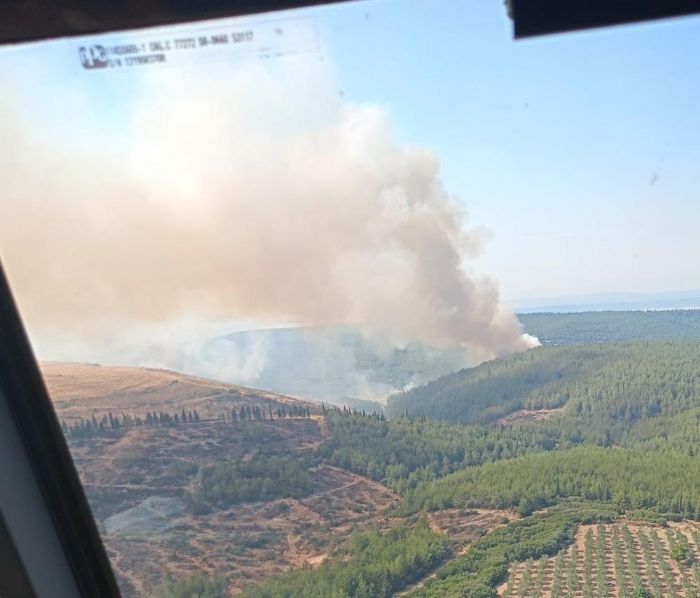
point(578, 154)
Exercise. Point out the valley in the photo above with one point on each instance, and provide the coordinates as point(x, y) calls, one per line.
point(566, 470)
point(140, 480)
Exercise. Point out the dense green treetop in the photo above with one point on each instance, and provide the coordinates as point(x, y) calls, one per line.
point(405, 452)
point(612, 326)
point(666, 482)
point(604, 390)
point(371, 565)
point(260, 478)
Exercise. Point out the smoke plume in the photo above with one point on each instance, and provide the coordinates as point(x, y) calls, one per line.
point(243, 198)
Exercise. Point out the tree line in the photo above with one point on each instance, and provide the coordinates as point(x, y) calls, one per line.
point(85, 427)
point(114, 423)
point(612, 326)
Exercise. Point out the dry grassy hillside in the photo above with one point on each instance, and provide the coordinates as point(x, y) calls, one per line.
point(141, 480)
point(138, 478)
point(81, 390)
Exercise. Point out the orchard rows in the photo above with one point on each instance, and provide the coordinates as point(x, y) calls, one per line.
point(617, 561)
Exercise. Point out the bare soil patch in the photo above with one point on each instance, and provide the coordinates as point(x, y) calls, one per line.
point(527, 416)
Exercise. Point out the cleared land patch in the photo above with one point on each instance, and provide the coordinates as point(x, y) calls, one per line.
point(527, 416)
point(253, 541)
point(463, 526)
point(139, 479)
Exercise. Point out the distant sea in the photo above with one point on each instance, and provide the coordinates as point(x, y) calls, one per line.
point(611, 302)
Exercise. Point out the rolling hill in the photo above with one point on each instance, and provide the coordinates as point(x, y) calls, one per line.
point(523, 475)
point(612, 326)
point(598, 391)
point(81, 390)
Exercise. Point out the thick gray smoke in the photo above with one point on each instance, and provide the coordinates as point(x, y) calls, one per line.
point(241, 199)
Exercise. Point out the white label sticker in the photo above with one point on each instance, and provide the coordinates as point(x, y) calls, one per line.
point(199, 43)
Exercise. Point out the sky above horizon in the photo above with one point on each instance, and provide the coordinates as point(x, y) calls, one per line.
point(575, 156)
point(579, 152)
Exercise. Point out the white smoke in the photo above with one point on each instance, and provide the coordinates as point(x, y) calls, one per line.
point(251, 197)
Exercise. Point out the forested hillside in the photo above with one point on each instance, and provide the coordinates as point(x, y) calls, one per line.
point(664, 482)
point(585, 485)
point(612, 326)
point(457, 493)
point(554, 488)
point(603, 390)
point(372, 565)
point(621, 444)
point(405, 452)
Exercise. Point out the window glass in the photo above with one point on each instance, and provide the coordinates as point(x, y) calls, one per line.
point(368, 299)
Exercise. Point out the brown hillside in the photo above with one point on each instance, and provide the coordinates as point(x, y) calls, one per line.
point(79, 390)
